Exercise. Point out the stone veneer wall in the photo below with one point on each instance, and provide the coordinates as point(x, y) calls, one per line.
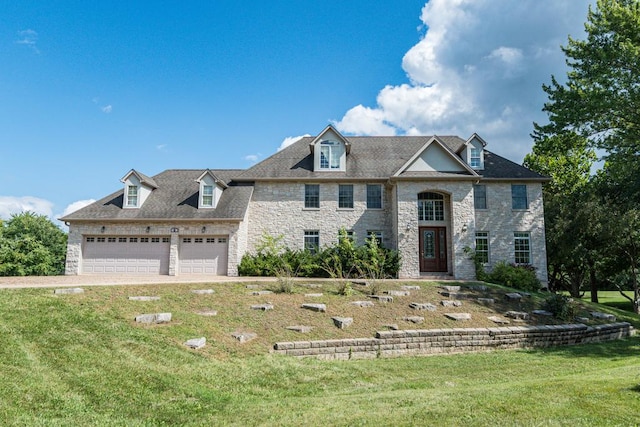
point(458, 340)
point(277, 208)
point(77, 231)
point(501, 221)
point(459, 216)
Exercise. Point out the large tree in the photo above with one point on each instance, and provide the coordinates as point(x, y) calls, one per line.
point(596, 108)
point(31, 245)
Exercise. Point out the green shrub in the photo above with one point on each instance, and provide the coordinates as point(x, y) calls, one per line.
point(562, 307)
point(521, 277)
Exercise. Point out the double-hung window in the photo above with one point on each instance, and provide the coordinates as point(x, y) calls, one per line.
point(482, 247)
point(312, 196)
point(522, 247)
point(312, 240)
point(132, 195)
point(480, 196)
point(207, 195)
point(475, 160)
point(430, 207)
point(519, 199)
point(345, 196)
point(374, 196)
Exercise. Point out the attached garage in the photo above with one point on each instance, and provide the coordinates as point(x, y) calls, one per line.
point(125, 254)
point(203, 255)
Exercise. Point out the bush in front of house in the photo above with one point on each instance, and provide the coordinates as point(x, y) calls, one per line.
point(521, 277)
point(343, 260)
point(562, 307)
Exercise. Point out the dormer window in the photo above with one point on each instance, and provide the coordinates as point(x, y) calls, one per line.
point(207, 196)
point(475, 159)
point(132, 196)
point(330, 155)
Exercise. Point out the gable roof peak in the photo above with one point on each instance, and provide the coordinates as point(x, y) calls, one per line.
point(212, 175)
point(449, 153)
point(327, 130)
point(144, 179)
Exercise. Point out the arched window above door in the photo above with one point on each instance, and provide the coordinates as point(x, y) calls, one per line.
point(430, 207)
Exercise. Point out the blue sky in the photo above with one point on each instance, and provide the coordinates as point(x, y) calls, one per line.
point(90, 90)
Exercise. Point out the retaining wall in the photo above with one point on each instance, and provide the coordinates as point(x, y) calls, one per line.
point(457, 340)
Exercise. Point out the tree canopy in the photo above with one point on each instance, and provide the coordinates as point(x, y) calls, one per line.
point(31, 245)
point(593, 220)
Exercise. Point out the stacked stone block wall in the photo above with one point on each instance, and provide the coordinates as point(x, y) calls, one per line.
point(457, 340)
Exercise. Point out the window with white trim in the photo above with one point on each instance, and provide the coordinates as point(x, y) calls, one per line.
point(475, 159)
point(522, 247)
point(519, 199)
point(312, 196)
point(312, 240)
point(132, 195)
point(349, 235)
point(345, 196)
point(330, 155)
point(430, 207)
point(480, 196)
point(374, 196)
point(207, 196)
point(376, 234)
point(482, 246)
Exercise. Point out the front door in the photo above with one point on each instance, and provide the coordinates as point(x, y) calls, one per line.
point(433, 249)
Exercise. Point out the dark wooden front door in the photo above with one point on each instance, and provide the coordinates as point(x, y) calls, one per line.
point(433, 249)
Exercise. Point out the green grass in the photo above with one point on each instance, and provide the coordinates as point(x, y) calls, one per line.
point(81, 360)
point(613, 299)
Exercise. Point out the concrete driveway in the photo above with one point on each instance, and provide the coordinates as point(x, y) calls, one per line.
point(89, 280)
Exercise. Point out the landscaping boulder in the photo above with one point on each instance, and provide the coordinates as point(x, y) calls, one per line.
point(144, 298)
point(300, 328)
point(68, 291)
point(603, 316)
point(315, 307)
point(342, 322)
point(202, 291)
point(207, 313)
point(263, 307)
point(398, 293)
point(517, 315)
point(362, 303)
point(499, 320)
point(382, 298)
point(513, 296)
point(244, 337)
point(196, 343)
point(451, 303)
point(154, 318)
point(458, 316)
point(423, 306)
point(413, 319)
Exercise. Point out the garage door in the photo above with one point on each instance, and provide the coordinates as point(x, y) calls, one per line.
point(125, 254)
point(203, 255)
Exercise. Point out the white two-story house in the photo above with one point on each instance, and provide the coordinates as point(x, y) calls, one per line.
point(428, 197)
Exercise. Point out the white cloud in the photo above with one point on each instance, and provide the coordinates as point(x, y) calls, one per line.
point(28, 38)
point(290, 140)
point(479, 67)
point(76, 206)
point(252, 158)
point(14, 205)
point(162, 147)
point(107, 109)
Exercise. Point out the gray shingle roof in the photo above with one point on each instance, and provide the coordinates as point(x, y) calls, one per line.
point(176, 197)
point(373, 157)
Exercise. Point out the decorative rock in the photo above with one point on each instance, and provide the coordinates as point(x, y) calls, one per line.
point(208, 313)
point(154, 318)
point(423, 306)
point(450, 303)
point(393, 326)
point(244, 337)
point(413, 319)
point(382, 298)
point(582, 319)
point(342, 322)
point(202, 291)
point(518, 315)
point(398, 293)
point(67, 291)
point(410, 287)
point(312, 295)
point(499, 320)
point(456, 295)
point(196, 343)
point(486, 300)
point(253, 286)
point(481, 288)
point(315, 307)
point(258, 293)
point(144, 298)
point(362, 303)
point(263, 307)
point(603, 316)
point(451, 288)
point(458, 316)
point(360, 282)
point(513, 296)
point(542, 313)
point(301, 329)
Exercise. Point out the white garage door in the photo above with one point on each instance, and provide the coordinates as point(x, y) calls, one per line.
point(203, 255)
point(125, 254)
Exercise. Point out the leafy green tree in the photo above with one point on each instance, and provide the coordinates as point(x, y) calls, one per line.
point(31, 245)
